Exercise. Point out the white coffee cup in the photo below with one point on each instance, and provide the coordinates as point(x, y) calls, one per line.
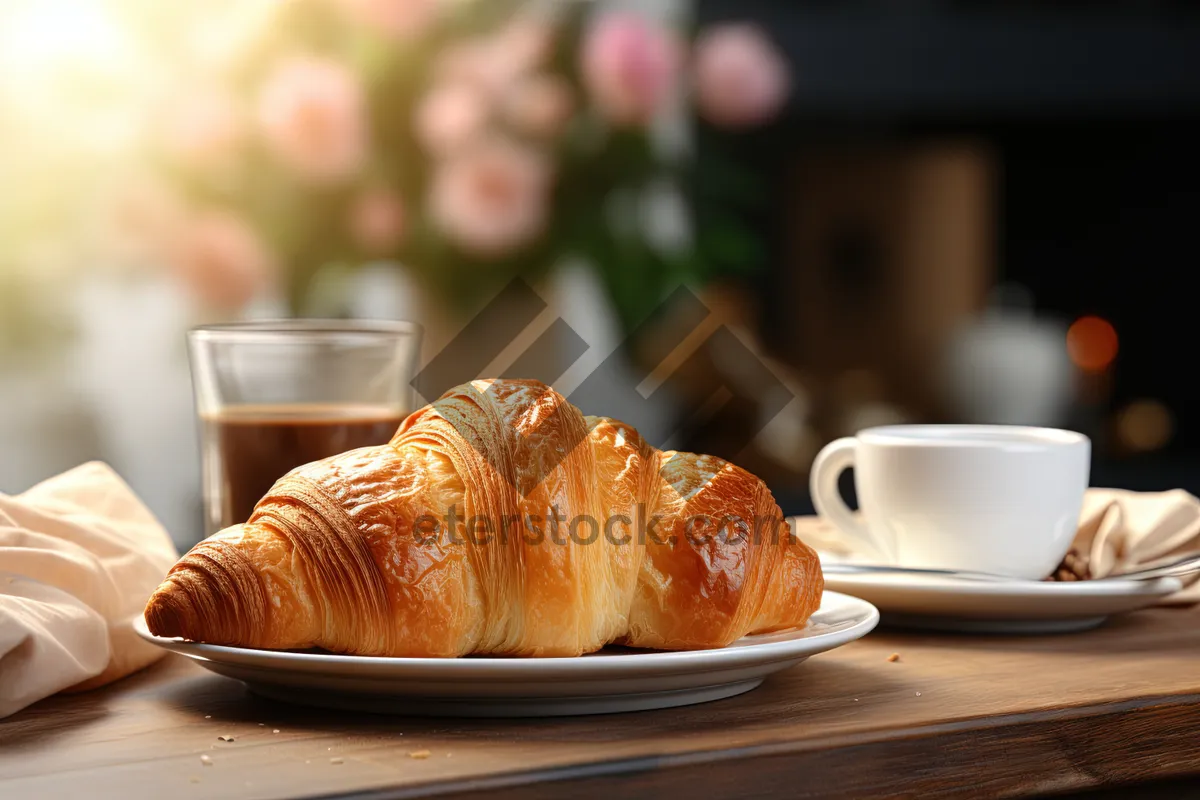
point(989, 498)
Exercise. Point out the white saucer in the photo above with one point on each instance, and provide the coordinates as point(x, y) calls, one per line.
point(951, 604)
point(613, 680)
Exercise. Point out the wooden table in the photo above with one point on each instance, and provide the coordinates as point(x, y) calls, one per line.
point(954, 716)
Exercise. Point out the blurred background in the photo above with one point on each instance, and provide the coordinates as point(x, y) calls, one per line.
point(932, 211)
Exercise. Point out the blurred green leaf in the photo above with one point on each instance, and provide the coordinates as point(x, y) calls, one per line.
point(732, 247)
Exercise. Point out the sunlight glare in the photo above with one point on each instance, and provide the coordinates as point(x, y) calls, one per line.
point(50, 35)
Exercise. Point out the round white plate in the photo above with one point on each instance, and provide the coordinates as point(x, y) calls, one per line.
point(949, 604)
point(613, 680)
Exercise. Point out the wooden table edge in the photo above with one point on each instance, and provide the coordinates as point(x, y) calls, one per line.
point(1056, 753)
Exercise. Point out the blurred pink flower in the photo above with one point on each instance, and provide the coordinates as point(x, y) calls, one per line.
point(450, 116)
point(630, 66)
point(528, 43)
point(378, 220)
point(741, 77)
point(491, 199)
point(540, 106)
point(313, 116)
point(465, 61)
point(397, 19)
point(494, 64)
point(140, 221)
point(480, 63)
point(222, 261)
point(202, 127)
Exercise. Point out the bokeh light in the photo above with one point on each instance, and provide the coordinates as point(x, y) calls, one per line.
point(1145, 425)
point(53, 34)
point(1092, 343)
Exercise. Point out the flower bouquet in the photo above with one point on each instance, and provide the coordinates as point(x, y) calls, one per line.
point(467, 142)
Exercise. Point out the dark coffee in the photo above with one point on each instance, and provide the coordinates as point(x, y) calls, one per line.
point(254, 446)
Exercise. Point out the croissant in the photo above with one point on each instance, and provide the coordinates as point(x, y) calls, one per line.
point(498, 521)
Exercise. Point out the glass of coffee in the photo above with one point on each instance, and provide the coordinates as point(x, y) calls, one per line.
point(274, 395)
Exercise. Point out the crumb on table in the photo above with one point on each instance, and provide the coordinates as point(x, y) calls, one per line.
point(419, 754)
point(893, 658)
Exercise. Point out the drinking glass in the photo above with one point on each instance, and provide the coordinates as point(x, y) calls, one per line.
point(271, 396)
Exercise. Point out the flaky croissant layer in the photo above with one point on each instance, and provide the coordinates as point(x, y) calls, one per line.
point(498, 521)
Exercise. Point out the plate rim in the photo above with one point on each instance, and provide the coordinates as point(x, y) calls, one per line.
point(866, 618)
point(948, 587)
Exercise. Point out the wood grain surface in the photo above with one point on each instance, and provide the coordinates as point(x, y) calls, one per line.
point(955, 716)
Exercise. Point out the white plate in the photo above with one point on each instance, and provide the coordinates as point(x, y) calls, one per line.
point(950, 604)
point(610, 681)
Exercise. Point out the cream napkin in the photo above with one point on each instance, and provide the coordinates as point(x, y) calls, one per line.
point(1119, 530)
point(79, 556)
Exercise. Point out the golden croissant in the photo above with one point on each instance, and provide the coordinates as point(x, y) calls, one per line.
point(498, 521)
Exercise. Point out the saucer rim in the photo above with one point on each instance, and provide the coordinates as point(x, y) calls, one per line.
point(1108, 587)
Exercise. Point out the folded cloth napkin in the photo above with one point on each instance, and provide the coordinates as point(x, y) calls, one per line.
point(1119, 531)
point(79, 556)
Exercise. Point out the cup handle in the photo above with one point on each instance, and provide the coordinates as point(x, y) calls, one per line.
point(834, 459)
